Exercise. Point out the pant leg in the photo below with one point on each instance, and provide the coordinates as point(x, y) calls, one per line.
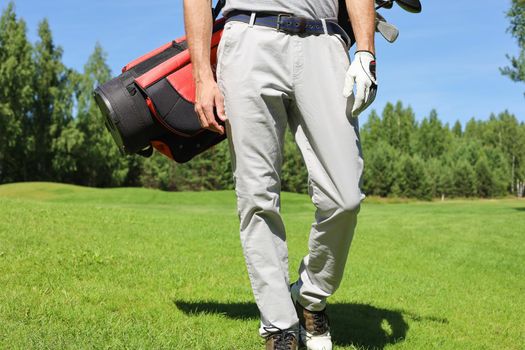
point(253, 74)
point(329, 140)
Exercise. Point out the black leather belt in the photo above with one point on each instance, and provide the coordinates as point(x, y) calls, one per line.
point(289, 24)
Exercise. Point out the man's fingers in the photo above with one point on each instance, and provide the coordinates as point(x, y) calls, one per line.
point(201, 115)
point(210, 106)
point(367, 95)
point(359, 97)
point(216, 128)
point(213, 125)
point(363, 72)
point(348, 89)
point(219, 105)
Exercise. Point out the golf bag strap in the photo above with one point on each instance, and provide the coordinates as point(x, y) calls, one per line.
point(217, 9)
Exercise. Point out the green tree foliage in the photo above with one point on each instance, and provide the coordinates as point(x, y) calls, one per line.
point(398, 126)
point(433, 171)
point(51, 129)
point(484, 160)
point(516, 14)
point(464, 180)
point(432, 138)
point(158, 172)
point(410, 178)
point(485, 178)
point(457, 129)
point(53, 102)
point(210, 170)
point(100, 163)
point(380, 169)
point(294, 173)
point(16, 97)
point(502, 171)
point(445, 181)
point(372, 131)
point(505, 133)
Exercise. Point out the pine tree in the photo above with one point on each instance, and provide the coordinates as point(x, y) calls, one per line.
point(485, 181)
point(501, 170)
point(520, 171)
point(463, 179)
point(433, 170)
point(398, 126)
point(410, 178)
point(516, 14)
point(294, 176)
point(53, 102)
point(431, 138)
point(223, 166)
point(372, 131)
point(16, 98)
point(210, 170)
point(465, 149)
point(158, 172)
point(457, 129)
point(503, 132)
point(85, 148)
point(380, 169)
point(446, 183)
point(445, 177)
point(68, 155)
point(474, 129)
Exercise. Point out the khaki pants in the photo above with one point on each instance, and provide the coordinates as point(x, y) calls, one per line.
point(270, 79)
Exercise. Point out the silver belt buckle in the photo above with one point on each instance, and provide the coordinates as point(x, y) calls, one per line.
point(279, 16)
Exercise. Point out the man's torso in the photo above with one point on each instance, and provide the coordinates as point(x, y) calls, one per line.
point(304, 8)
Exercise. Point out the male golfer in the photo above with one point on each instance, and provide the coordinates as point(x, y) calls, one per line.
point(285, 62)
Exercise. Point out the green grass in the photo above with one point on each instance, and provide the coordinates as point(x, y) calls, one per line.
point(142, 269)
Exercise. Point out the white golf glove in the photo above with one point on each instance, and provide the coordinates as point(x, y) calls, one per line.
point(362, 73)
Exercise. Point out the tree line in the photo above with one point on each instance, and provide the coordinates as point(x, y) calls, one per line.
point(51, 130)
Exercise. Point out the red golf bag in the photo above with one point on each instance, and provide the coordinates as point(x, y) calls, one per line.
point(151, 104)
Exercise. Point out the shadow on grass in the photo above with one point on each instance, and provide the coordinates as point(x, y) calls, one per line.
point(353, 324)
point(520, 209)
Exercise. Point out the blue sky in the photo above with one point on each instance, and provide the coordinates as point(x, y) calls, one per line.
point(446, 58)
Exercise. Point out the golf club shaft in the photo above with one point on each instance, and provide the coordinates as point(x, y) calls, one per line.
point(383, 4)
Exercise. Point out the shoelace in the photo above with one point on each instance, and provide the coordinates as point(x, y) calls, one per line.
point(283, 338)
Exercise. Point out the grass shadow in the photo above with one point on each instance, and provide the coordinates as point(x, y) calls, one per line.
point(359, 325)
point(520, 209)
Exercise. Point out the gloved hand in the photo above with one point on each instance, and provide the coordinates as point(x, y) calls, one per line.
point(362, 73)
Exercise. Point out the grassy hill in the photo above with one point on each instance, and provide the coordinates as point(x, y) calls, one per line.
point(127, 268)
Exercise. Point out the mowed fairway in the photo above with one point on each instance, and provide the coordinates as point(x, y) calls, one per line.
point(142, 269)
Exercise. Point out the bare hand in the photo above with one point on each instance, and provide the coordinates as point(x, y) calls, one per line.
point(208, 97)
